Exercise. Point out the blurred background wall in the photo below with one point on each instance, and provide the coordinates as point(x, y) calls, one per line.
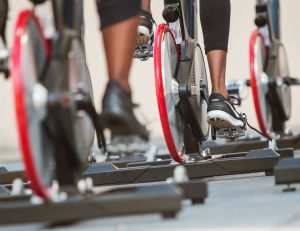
point(142, 75)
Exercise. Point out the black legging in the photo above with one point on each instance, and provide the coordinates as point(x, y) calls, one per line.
point(214, 14)
point(114, 11)
point(215, 21)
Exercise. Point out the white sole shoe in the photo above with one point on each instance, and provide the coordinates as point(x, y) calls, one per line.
point(221, 119)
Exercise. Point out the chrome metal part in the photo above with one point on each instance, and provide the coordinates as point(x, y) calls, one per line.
point(122, 146)
point(284, 89)
point(206, 153)
point(175, 118)
point(143, 52)
point(175, 91)
point(231, 134)
point(272, 145)
point(202, 89)
point(262, 81)
point(41, 148)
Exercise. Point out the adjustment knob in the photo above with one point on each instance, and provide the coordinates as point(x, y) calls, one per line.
point(170, 14)
point(36, 2)
point(260, 21)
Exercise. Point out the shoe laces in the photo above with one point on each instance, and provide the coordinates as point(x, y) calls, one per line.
point(234, 101)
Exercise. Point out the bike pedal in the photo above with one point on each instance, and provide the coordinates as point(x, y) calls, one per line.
point(143, 52)
point(121, 147)
point(231, 134)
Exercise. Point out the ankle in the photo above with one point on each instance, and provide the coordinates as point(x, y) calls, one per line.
point(146, 12)
point(224, 93)
point(123, 84)
point(126, 86)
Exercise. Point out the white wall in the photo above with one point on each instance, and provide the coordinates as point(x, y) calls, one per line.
point(142, 78)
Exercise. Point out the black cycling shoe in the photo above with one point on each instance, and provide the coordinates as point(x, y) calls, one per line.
point(221, 112)
point(117, 114)
point(145, 28)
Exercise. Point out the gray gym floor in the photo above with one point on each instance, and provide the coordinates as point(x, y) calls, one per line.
point(250, 201)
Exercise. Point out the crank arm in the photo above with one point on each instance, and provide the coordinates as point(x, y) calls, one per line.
point(85, 103)
point(291, 81)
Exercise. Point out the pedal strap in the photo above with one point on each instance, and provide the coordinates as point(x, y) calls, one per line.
point(146, 19)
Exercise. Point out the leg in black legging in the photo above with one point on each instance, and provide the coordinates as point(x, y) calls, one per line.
point(215, 21)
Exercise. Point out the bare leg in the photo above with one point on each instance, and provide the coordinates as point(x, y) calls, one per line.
point(215, 21)
point(119, 50)
point(119, 24)
point(217, 66)
point(146, 5)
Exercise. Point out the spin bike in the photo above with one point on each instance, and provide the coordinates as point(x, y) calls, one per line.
point(53, 99)
point(271, 85)
point(56, 117)
point(56, 122)
point(182, 87)
point(270, 78)
point(182, 91)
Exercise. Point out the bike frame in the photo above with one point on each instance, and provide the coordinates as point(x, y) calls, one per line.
point(68, 14)
point(272, 13)
point(188, 18)
point(67, 89)
point(270, 10)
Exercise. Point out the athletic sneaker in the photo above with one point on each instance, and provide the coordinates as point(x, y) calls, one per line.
point(118, 115)
point(221, 112)
point(145, 28)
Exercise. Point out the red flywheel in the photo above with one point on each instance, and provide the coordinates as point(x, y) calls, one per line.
point(166, 61)
point(29, 56)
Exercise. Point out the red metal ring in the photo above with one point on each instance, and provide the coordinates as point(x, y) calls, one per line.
point(161, 30)
point(20, 104)
point(253, 81)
